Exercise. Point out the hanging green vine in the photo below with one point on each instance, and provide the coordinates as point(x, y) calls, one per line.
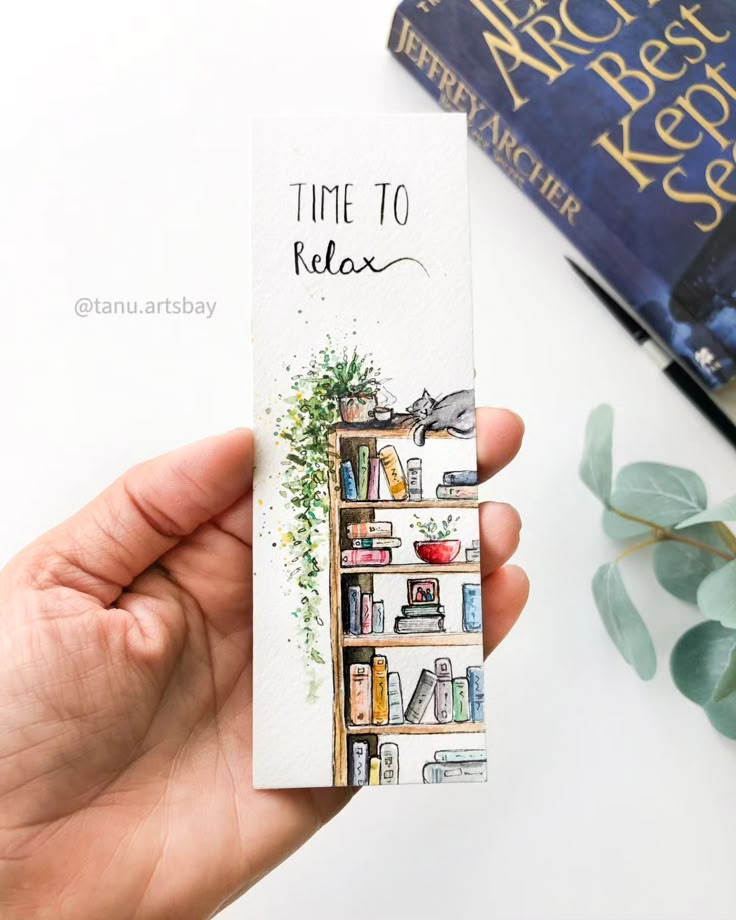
point(312, 408)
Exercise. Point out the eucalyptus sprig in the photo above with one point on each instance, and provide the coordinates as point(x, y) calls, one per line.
point(665, 507)
point(433, 530)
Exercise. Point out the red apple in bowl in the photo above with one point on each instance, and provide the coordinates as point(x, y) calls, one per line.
point(437, 552)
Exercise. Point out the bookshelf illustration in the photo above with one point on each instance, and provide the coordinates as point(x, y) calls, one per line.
point(368, 745)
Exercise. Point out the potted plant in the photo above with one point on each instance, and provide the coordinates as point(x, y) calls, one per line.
point(352, 382)
point(436, 548)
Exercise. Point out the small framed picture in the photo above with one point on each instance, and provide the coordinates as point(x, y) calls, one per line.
point(423, 591)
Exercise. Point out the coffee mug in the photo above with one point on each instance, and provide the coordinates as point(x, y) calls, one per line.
point(383, 414)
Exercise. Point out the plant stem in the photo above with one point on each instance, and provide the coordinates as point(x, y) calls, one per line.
point(727, 535)
point(635, 549)
point(663, 533)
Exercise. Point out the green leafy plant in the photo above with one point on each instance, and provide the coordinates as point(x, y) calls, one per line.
point(433, 530)
point(311, 409)
point(665, 507)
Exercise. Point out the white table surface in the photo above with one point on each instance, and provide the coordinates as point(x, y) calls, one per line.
point(124, 174)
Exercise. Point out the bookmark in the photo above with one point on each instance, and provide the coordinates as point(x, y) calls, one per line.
point(368, 650)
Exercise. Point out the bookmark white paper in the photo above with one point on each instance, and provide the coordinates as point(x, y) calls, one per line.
point(367, 610)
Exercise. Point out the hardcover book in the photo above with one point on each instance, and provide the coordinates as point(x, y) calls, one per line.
point(618, 118)
point(363, 382)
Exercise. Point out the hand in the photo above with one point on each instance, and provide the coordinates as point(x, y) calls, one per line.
point(125, 693)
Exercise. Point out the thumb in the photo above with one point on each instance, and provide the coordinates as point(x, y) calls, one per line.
point(146, 512)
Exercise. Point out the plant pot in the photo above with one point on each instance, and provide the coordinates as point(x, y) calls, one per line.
point(357, 410)
point(437, 552)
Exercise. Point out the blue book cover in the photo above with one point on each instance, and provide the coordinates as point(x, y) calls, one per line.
point(349, 487)
point(472, 609)
point(354, 610)
point(477, 694)
point(618, 118)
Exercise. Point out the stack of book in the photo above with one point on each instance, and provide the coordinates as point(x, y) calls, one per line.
point(365, 615)
point(456, 767)
point(459, 485)
point(376, 697)
point(372, 542)
point(382, 770)
point(423, 613)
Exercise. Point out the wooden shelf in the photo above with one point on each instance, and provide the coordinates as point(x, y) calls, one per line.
point(424, 728)
point(402, 640)
point(400, 428)
point(389, 505)
point(421, 568)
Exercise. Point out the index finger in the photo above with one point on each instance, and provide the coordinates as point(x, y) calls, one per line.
point(499, 433)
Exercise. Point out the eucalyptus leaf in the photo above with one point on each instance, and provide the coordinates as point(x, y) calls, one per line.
point(623, 621)
point(700, 658)
point(727, 683)
point(717, 595)
point(596, 466)
point(724, 511)
point(680, 568)
point(723, 716)
point(665, 495)
point(619, 528)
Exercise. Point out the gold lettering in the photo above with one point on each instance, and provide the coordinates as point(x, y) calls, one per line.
point(686, 102)
point(628, 158)
point(578, 32)
point(550, 45)
point(659, 50)
point(616, 80)
point(693, 198)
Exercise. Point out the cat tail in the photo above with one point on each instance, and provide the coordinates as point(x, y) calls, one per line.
point(462, 432)
point(418, 433)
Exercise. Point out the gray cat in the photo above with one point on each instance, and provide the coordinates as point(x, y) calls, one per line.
point(454, 413)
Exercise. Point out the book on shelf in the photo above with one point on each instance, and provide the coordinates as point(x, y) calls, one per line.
point(423, 693)
point(618, 121)
point(473, 771)
point(374, 473)
point(421, 610)
point(379, 616)
point(370, 529)
point(359, 763)
point(395, 699)
point(472, 608)
point(460, 700)
point(393, 470)
point(363, 471)
point(476, 693)
point(377, 543)
point(354, 610)
point(460, 478)
point(366, 613)
point(388, 753)
point(360, 694)
point(416, 626)
point(349, 486)
point(414, 479)
point(461, 756)
point(375, 772)
point(351, 558)
point(457, 493)
point(443, 707)
point(380, 689)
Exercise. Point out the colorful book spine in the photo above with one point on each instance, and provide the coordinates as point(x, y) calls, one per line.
point(460, 701)
point(380, 690)
point(363, 470)
point(457, 493)
point(379, 616)
point(366, 614)
point(354, 610)
point(395, 699)
point(356, 557)
point(421, 610)
point(375, 772)
point(473, 772)
point(472, 609)
point(360, 764)
point(360, 694)
point(394, 472)
point(477, 694)
point(377, 543)
point(423, 693)
point(365, 529)
point(374, 479)
point(414, 479)
point(460, 478)
point(388, 753)
point(461, 756)
point(349, 487)
point(443, 706)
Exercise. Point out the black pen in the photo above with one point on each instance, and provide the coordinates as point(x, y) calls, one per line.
point(676, 374)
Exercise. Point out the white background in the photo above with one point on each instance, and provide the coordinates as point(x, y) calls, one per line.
point(124, 174)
